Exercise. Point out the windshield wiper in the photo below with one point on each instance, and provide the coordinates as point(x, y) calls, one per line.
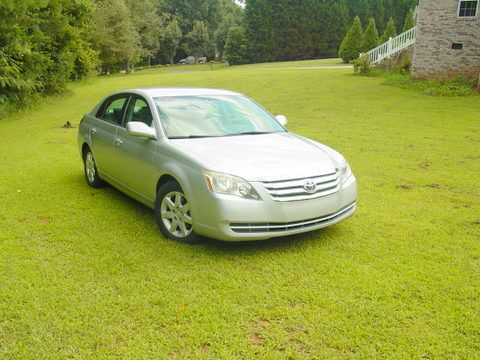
point(191, 137)
point(216, 136)
point(251, 133)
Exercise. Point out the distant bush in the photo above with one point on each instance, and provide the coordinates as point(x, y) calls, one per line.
point(363, 65)
point(404, 63)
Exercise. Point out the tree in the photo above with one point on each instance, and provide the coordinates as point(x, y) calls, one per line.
point(390, 31)
point(188, 12)
point(116, 39)
point(351, 44)
point(259, 22)
point(43, 45)
point(148, 24)
point(236, 47)
point(197, 40)
point(364, 11)
point(409, 21)
point(378, 12)
point(172, 36)
point(221, 34)
point(370, 36)
point(332, 23)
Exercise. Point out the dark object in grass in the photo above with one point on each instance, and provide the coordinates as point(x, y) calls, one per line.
point(67, 125)
point(404, 186)
point(433, 186)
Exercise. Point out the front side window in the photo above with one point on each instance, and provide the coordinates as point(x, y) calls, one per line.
point(213, 116)
point(113, 109)
point(139, 111)
point(468, 8)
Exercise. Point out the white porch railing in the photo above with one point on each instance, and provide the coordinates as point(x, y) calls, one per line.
point(393, 46)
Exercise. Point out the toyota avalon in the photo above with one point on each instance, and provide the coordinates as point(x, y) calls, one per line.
point(214, 163)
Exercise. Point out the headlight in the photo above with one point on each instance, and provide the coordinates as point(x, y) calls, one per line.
point(230, 185)
point(346, 171)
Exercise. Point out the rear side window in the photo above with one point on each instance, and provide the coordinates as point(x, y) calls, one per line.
point(112, 110)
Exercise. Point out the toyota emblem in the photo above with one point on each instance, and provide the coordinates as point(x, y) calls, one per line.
point(310, 186)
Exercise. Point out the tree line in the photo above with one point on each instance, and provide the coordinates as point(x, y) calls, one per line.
point(44, 44)
point(357, 41)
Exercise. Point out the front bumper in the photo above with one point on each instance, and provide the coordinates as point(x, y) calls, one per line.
point(232, 218)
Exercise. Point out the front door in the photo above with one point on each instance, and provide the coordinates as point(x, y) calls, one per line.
point(134, 166)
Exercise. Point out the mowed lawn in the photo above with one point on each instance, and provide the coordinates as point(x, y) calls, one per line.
point(86, 274)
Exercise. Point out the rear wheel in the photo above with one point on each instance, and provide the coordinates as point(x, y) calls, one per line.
point(91, 171)
point(172, 212)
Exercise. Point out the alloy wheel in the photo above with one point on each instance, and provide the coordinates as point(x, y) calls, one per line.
point(90, 167)
point(175, 214)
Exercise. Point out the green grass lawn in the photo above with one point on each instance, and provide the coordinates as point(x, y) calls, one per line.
point(86, 273)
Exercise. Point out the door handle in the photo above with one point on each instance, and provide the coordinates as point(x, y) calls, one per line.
point(94, 131)
point(118, 141)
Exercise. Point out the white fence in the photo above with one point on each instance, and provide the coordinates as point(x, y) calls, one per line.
point(393, 46)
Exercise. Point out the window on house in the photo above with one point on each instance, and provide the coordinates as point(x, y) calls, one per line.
point(468, 8)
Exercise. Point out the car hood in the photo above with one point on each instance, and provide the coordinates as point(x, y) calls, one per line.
point(262, 157)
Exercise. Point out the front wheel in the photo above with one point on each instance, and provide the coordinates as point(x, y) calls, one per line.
point(172, 212)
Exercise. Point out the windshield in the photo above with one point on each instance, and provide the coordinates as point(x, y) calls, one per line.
point(211, 116)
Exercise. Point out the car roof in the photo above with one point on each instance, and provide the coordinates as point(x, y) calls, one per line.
point(180, 91)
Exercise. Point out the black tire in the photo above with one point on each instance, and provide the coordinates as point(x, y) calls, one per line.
point(93, 179)
point(169, 190)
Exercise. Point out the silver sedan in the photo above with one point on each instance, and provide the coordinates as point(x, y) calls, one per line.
point(213, 163)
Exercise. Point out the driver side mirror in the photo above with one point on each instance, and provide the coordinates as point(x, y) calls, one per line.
point(140, 129)
point(282, 119)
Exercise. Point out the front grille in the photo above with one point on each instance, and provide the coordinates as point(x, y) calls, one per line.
point(288, 226)
point(294, 190)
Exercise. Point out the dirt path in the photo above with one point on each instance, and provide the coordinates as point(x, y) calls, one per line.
point(307, 67)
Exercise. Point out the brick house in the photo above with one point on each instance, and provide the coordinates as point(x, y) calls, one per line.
point(448, 38)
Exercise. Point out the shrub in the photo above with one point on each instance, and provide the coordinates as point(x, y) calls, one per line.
point(404, 63)
point(362, 65)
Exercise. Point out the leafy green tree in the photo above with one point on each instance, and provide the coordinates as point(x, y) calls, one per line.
point(378, 13)
point(147, 23)
point(261, 30)
point(409, 21)
point(370, 36)
point(188, 12)
point(43, 45)
point(170, 42)
point(364, 11)
point(331, 25)
point(221, 34)
point(236, 47)
point(116, 38)
point(390, 31)
point(198, 40)
point(351, 44)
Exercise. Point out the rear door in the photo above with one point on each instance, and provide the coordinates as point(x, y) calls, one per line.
point(109, 119)
point(134, 165)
